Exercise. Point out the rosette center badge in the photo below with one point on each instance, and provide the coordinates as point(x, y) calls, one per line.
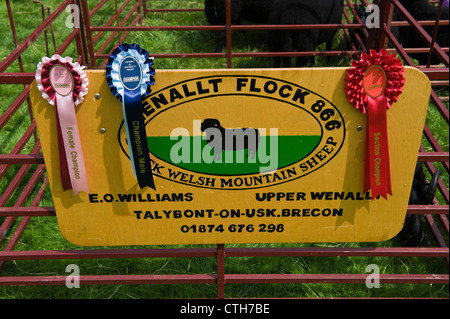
point(130, 73)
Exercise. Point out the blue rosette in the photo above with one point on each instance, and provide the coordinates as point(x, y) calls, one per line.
point(129, 74)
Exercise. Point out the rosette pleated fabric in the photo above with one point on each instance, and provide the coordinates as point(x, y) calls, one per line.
point(372, 86)
point(129, 75)
point(64, 84)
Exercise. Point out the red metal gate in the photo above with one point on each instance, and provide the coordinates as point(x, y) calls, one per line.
point(30, 182)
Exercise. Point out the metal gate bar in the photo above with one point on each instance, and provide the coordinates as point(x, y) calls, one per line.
point(87, 15)
point(228, 279)
point(229, 252)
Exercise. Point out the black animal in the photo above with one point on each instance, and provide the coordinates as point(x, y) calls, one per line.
point(254, 11)
point(220, 138)
point(422, 193)
point(423, 10)
point(302, 12)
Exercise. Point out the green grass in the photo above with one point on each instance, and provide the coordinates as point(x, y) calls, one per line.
point(43, 233)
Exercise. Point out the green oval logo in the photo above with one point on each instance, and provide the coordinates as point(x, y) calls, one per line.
point(239, 132)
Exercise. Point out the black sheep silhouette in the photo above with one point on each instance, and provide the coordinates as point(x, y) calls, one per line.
point(234, 139)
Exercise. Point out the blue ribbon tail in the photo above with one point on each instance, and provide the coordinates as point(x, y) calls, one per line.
point(137, 138)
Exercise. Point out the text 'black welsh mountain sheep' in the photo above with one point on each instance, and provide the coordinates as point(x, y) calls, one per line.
point(230, 139)
point(301, 40)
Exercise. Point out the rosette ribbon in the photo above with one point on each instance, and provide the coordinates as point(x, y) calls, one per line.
point(129, 74)
point(372, 86)
point(64, 84)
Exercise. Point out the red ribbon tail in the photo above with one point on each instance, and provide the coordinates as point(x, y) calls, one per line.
point(366, 162)
point(378, 160)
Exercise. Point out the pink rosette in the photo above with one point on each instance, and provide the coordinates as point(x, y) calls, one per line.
point(80, 79)
point(372, 86)
point(64, 84)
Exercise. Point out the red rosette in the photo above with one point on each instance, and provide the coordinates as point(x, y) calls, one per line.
point(373, 84)
point(395, 80)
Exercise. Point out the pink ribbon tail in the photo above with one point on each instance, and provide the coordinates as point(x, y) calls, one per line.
point(63, 169)
point(72, 143)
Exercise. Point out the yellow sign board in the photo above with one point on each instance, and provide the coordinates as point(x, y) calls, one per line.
point(294, 172)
